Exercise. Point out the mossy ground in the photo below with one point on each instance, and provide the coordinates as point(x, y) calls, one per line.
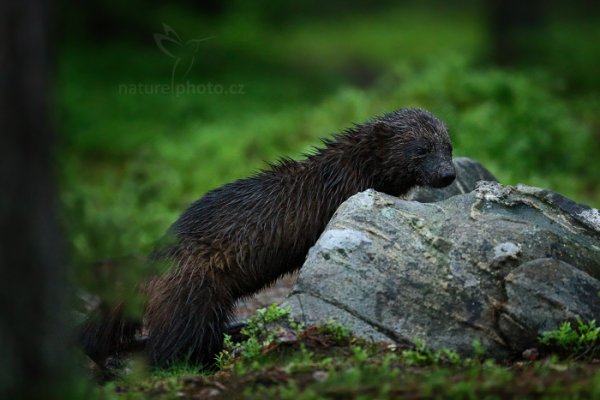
point(328, 363)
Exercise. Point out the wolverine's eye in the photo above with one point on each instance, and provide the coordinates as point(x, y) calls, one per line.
point(421, 151)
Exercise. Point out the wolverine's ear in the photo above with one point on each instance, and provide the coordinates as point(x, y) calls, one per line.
point(382, 130)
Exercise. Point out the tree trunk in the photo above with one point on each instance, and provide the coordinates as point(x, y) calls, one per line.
point(510, 23)
point(32, 276)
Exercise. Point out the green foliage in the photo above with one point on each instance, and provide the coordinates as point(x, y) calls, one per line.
point(258, 323)
point(339, 332)
point(423, 355)
point(566, 60)
point(177, 370)
point(259, 334)
point(225, 357)
point(360, 355)
point(369, 370)
point(574, 341)
point(478, 349)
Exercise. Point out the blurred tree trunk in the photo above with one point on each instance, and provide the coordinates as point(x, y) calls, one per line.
point(32, 276)
point(510, 21)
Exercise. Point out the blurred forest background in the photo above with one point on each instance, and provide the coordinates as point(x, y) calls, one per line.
point(159, 102)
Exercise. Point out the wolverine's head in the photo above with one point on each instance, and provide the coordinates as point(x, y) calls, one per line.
point(413, 148)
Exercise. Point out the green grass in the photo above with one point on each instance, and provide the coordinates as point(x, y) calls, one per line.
point(328, 362)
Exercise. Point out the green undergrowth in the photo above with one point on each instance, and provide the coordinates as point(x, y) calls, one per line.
point(276, 357)
point(117, 205)
point(131, 163)
point(574, 339)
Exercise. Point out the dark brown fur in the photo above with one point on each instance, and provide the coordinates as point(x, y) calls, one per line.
point(241, 237)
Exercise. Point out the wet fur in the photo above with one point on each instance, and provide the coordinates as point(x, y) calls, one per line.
point(243, 236)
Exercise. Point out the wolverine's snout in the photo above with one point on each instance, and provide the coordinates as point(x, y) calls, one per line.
point(444, 177)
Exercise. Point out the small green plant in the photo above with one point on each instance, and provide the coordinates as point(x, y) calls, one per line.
point(338, 332)
point(179, 369)
point(478, 349)
point(225, 357)
point(450, 356)
point(423, 355)
point(420, 355)
point(575, 341)
point(263, 317)
point(360, 354)
point(259, 336)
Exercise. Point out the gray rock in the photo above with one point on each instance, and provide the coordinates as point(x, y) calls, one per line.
point(543, 293)
point(482, 265)
point(468, 173)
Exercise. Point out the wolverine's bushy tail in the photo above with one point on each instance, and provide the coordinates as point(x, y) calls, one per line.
point(108, 331)
point(190, 325)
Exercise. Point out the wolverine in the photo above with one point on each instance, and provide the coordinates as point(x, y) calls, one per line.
point(243, 236)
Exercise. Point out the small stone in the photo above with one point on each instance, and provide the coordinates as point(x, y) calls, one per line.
point(506, 250)
point(320, 376)
point(207, 392)
point(592, 216)
point(531, 354)
point(287, 337)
